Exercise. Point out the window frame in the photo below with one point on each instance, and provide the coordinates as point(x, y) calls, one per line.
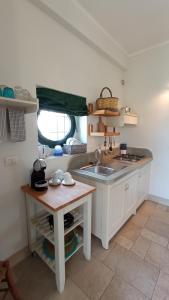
point(44, 141)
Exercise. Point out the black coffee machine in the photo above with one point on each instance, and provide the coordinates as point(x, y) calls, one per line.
point(38, 181)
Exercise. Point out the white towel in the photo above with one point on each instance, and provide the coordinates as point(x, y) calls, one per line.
point(3, 124)
point(16, 124)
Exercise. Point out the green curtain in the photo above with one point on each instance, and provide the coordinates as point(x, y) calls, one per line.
point(54, 100)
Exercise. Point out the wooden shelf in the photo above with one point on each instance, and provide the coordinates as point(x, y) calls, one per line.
point(80, 244)
point(41, 224)
point(29, 106)
point(76, 224)
point(38, 248)
point(104, 133)
point(105, 113)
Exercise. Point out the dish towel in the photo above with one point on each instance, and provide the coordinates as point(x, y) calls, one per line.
point(3, 124)
point(16, 124)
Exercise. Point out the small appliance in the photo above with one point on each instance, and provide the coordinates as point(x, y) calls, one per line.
point(123, 149)
point(38, 181)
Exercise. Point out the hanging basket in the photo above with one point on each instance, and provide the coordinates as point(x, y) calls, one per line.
point(110, 102)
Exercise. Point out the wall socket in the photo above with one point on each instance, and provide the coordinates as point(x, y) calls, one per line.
point(11, 160)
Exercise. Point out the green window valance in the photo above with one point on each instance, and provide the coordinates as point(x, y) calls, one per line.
point(54, 100)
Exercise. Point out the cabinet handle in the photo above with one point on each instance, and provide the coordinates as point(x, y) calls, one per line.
point(126, 187)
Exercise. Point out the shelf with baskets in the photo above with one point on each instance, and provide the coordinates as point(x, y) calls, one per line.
point(79, 245)
point(28, 105)
point(37, 247)
point(106, 107)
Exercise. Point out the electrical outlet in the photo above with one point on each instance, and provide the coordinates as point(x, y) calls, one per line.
point(11, 160)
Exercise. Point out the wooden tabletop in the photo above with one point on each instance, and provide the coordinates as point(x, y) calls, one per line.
point(60, 196)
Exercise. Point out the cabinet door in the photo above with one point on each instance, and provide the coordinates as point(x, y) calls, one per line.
point(143, 183)
point(130, 200)
point(116, 208)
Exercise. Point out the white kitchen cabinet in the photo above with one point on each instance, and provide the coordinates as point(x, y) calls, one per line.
point(114, 203)
point(143, 184)
point(116, 209)
point(121, 204)
point(130, 189)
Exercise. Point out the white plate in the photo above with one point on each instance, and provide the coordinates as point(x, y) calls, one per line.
point(72, 183)
point(54, 183)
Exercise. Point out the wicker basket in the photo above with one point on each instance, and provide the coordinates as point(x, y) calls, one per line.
point(74, 149)
point(110, 103)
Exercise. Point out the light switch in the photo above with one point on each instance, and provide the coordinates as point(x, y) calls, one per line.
point(11, 160)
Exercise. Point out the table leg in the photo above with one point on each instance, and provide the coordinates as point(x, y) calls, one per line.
point(87, 228)
point(59, 250)
point(31, 230)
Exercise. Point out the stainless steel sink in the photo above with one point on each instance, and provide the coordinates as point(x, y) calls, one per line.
point(106, 169)
point(100, 170)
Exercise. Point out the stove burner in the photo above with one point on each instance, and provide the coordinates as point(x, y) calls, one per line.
point(129, 157)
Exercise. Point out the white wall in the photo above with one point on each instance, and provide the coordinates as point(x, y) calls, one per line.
point(38, 51)
point(147, 92)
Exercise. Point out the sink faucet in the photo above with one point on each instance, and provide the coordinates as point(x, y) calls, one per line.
point(98, 155)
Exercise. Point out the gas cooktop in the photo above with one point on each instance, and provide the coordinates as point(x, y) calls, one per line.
point(129, 157)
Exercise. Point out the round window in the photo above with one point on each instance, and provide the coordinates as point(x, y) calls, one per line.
point(54, 127)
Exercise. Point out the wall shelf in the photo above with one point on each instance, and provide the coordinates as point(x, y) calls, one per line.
point(29, 106)
point(128, 119)
point(105, 113)
point(104, 133)
point(100, 134)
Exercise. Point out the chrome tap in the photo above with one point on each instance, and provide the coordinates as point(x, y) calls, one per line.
point(98, 155)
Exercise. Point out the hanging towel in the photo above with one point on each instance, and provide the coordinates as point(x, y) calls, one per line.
point(16, 124)
point(3, 124)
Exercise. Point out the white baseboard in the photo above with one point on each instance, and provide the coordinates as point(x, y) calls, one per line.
point(19, 256)
point(159, 199)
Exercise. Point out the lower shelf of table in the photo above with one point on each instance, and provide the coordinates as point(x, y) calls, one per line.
point(37, 247)
point(41, 223)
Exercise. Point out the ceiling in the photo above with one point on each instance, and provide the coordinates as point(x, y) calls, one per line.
point(134, 24)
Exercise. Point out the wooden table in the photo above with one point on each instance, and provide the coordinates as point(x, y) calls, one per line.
point(58, 201)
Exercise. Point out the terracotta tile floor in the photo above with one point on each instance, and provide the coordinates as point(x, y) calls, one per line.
point(136, 266)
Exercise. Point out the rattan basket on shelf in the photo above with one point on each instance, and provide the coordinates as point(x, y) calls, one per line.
point(110, 102)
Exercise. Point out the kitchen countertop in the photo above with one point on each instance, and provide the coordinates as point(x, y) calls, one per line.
point(60, 196)
point(131, 167)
